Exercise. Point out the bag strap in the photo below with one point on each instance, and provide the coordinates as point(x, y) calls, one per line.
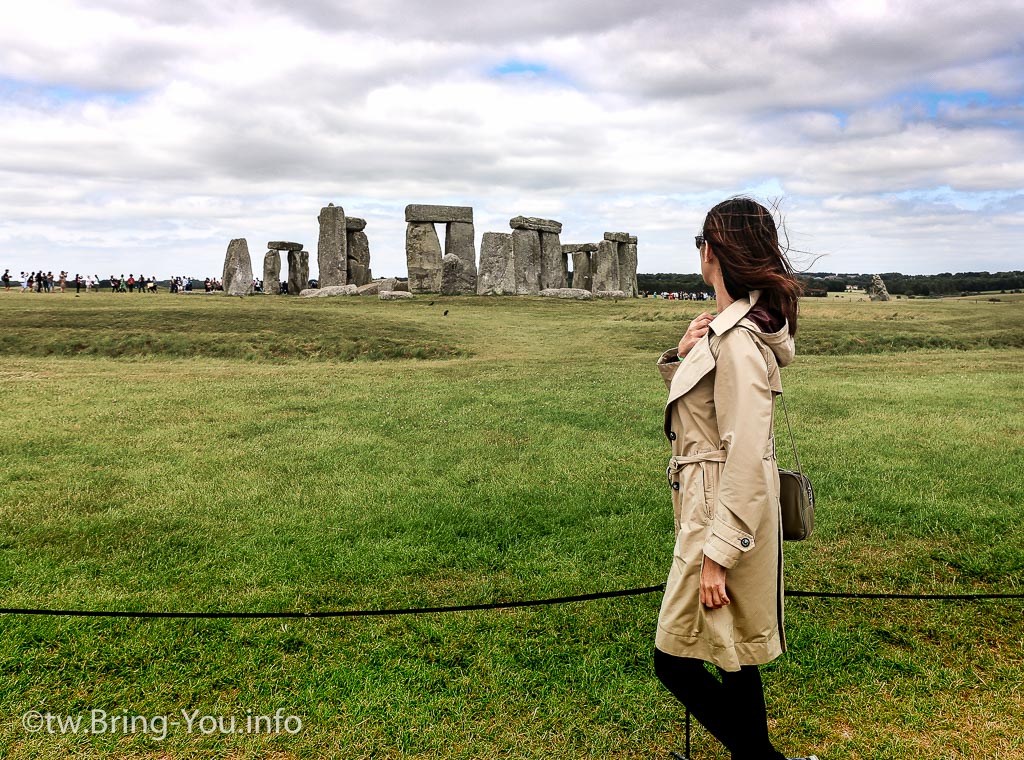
point(792, 440)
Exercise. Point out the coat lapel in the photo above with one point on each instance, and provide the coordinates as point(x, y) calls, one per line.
point(701, 360)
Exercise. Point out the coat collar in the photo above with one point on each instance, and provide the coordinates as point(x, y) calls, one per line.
point(700, 360)
point(734, 312)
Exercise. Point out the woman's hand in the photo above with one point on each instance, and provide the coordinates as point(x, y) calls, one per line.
point(712, 585)
point(698, 329)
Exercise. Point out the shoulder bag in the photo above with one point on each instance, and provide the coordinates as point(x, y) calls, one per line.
point(796, 496)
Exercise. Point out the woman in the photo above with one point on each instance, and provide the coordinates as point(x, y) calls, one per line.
point(723, 601)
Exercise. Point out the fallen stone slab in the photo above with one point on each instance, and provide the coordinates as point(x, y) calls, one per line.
point(370, 289)
point(354, 224)
point(422, 213)
point(330, 290)
point(535, 224)
point(284, 245)
point(610, 294)
point(579, 247)
point(617, 237)
point(577, 293)
point(394, 295)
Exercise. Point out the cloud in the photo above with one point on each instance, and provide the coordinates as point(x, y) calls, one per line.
point(162, 130)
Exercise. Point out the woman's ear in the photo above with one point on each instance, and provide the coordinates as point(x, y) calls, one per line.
point(708, 256)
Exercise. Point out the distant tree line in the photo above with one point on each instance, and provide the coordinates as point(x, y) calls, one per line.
point(943, 284)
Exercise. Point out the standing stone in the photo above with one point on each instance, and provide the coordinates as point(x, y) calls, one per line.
point(298, 271)
point(526, 259)
point(497, 269)
point(237, 277)
point(553, 269)
point(423, 257)
point(606, 266)
point(456, 276)
point(582, 275)
point(633, 289)
point(358, 246)
point(460, 240)
point(331, 254)
point(272, 273)
point(877, 290)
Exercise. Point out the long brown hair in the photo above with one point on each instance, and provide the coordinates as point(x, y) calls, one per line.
point(743, 236)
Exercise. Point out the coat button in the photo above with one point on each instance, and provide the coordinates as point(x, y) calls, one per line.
point(675, 486)
point(671, 435)
point(744, 542)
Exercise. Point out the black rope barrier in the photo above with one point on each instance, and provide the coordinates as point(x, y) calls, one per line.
point(467, 607)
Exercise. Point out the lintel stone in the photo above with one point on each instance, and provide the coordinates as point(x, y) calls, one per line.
point(579, 248)
point(284, 245)
point(533, 223)
point(617, 237)
point(354, 224)
point(423, 213)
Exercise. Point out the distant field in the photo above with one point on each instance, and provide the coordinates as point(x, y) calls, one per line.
point(210, 453)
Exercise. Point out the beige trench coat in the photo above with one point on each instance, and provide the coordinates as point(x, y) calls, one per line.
point(725, 492)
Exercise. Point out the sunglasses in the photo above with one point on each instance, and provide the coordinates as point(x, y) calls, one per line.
point(700, 241)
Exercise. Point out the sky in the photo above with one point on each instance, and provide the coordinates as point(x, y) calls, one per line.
point(143, 135)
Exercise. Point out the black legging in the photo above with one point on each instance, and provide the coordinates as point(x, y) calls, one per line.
point(732, 709)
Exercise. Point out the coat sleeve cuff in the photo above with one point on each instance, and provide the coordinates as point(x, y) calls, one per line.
point(668, 363)
point(726, 544)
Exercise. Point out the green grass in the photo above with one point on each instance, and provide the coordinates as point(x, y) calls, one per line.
point(512, 449)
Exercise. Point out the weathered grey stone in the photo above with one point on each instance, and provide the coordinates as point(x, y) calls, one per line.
point(272, 273)
point(401, 286)
point(456, 277)
point(298, 271)
point(370, 288)
point(535, 224)
point(358, 246)
point(578, 293)
point(627, 269)
point(422, 213)
point(610, 294)
point(553, 269)
point(497, 269)
point(876, 290)
point(605, 266)
point(617, 237)
point(632, 240)
point(330, 290)
point(526, 260)
point(579, 248)
point(582, 274)
point(460, 240)
point(354, 224)
point(423, 257)
point(331, 247)
point(284, 245)
point(394, 295)
point(237, 276)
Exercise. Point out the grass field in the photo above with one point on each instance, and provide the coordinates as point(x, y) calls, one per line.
point(267, 454)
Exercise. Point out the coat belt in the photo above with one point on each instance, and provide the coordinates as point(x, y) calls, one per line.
point(676, 463)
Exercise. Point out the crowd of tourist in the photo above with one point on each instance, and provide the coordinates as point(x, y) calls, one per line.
point(679, 296)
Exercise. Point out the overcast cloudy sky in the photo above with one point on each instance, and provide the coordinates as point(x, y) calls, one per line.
point(145, 134)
